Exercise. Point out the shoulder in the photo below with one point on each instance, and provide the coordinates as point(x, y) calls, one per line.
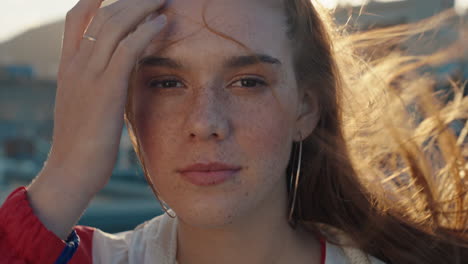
point(338, 254)
point(344, 254)
point(152, 240)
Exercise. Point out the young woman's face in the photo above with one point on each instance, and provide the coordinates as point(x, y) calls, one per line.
point(203, 99)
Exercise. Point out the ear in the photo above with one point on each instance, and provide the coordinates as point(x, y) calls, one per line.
point(308, 116)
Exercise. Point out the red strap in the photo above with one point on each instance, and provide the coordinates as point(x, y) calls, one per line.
point(323, 247)
point(84, 254)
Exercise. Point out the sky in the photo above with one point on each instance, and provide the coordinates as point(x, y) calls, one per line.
point(20, 15)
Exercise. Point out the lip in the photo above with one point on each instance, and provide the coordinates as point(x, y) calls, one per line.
point(212, 166)
point(208, 174)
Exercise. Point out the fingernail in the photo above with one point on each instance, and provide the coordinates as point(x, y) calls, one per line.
point(151, 17)
point(161, 19)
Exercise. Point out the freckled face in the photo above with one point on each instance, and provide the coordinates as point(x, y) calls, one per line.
point(202, 100)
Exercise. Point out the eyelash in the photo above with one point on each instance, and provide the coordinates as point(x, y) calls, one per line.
point(154, 83)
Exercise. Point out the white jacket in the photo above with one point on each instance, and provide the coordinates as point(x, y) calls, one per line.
point(155, 241)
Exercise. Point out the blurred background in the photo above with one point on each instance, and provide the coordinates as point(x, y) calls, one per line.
point(30, 43)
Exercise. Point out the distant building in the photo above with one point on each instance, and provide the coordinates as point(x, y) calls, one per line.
point(380, 14)
point(17, 72)
point(26, 125)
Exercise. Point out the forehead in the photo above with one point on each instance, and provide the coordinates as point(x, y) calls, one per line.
point(260, 25)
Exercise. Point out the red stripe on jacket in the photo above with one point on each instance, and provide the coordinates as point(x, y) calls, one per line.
point(24, 239)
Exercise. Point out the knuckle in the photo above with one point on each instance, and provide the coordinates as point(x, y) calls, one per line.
point(113, 24)
point(103, 15)
point(125, 47)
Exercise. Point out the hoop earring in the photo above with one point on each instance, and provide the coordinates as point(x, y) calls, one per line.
point(294, 183)
point(164, 206)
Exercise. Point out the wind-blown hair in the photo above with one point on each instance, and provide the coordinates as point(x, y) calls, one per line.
point(384, 163)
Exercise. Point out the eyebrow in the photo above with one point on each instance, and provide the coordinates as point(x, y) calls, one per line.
point(231, 62)
point(243, 61)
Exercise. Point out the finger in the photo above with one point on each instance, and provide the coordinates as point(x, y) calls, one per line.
point(101, 18)
point(128, 50)
point(117, 28)
point(76, 22)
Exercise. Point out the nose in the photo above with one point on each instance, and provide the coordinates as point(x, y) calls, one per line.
point(207, 118)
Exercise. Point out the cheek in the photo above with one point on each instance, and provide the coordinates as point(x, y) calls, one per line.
point(264, 133)
point(258, 138)
point(266, 130)
point(259, 128)
point(266, 143)
point(156, 131)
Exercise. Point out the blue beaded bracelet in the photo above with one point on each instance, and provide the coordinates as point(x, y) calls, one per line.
point(73, 241)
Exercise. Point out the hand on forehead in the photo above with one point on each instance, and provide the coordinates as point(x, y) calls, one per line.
point(234, 29)
point(194, 8)
point(252, 22)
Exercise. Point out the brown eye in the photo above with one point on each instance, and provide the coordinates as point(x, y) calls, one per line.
point(165, 83)
point(249, 82)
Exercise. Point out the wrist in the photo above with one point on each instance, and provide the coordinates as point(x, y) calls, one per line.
point(58, 199)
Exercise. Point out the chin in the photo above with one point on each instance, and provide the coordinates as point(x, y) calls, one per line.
point(211, 214)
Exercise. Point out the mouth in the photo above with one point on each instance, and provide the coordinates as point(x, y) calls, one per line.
point(208, 178)
point(209, 174)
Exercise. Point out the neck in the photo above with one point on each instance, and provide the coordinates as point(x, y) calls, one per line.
point(264, 236)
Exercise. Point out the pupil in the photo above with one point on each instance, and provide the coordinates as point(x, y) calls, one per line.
point(248, 83)
point(170, 83)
